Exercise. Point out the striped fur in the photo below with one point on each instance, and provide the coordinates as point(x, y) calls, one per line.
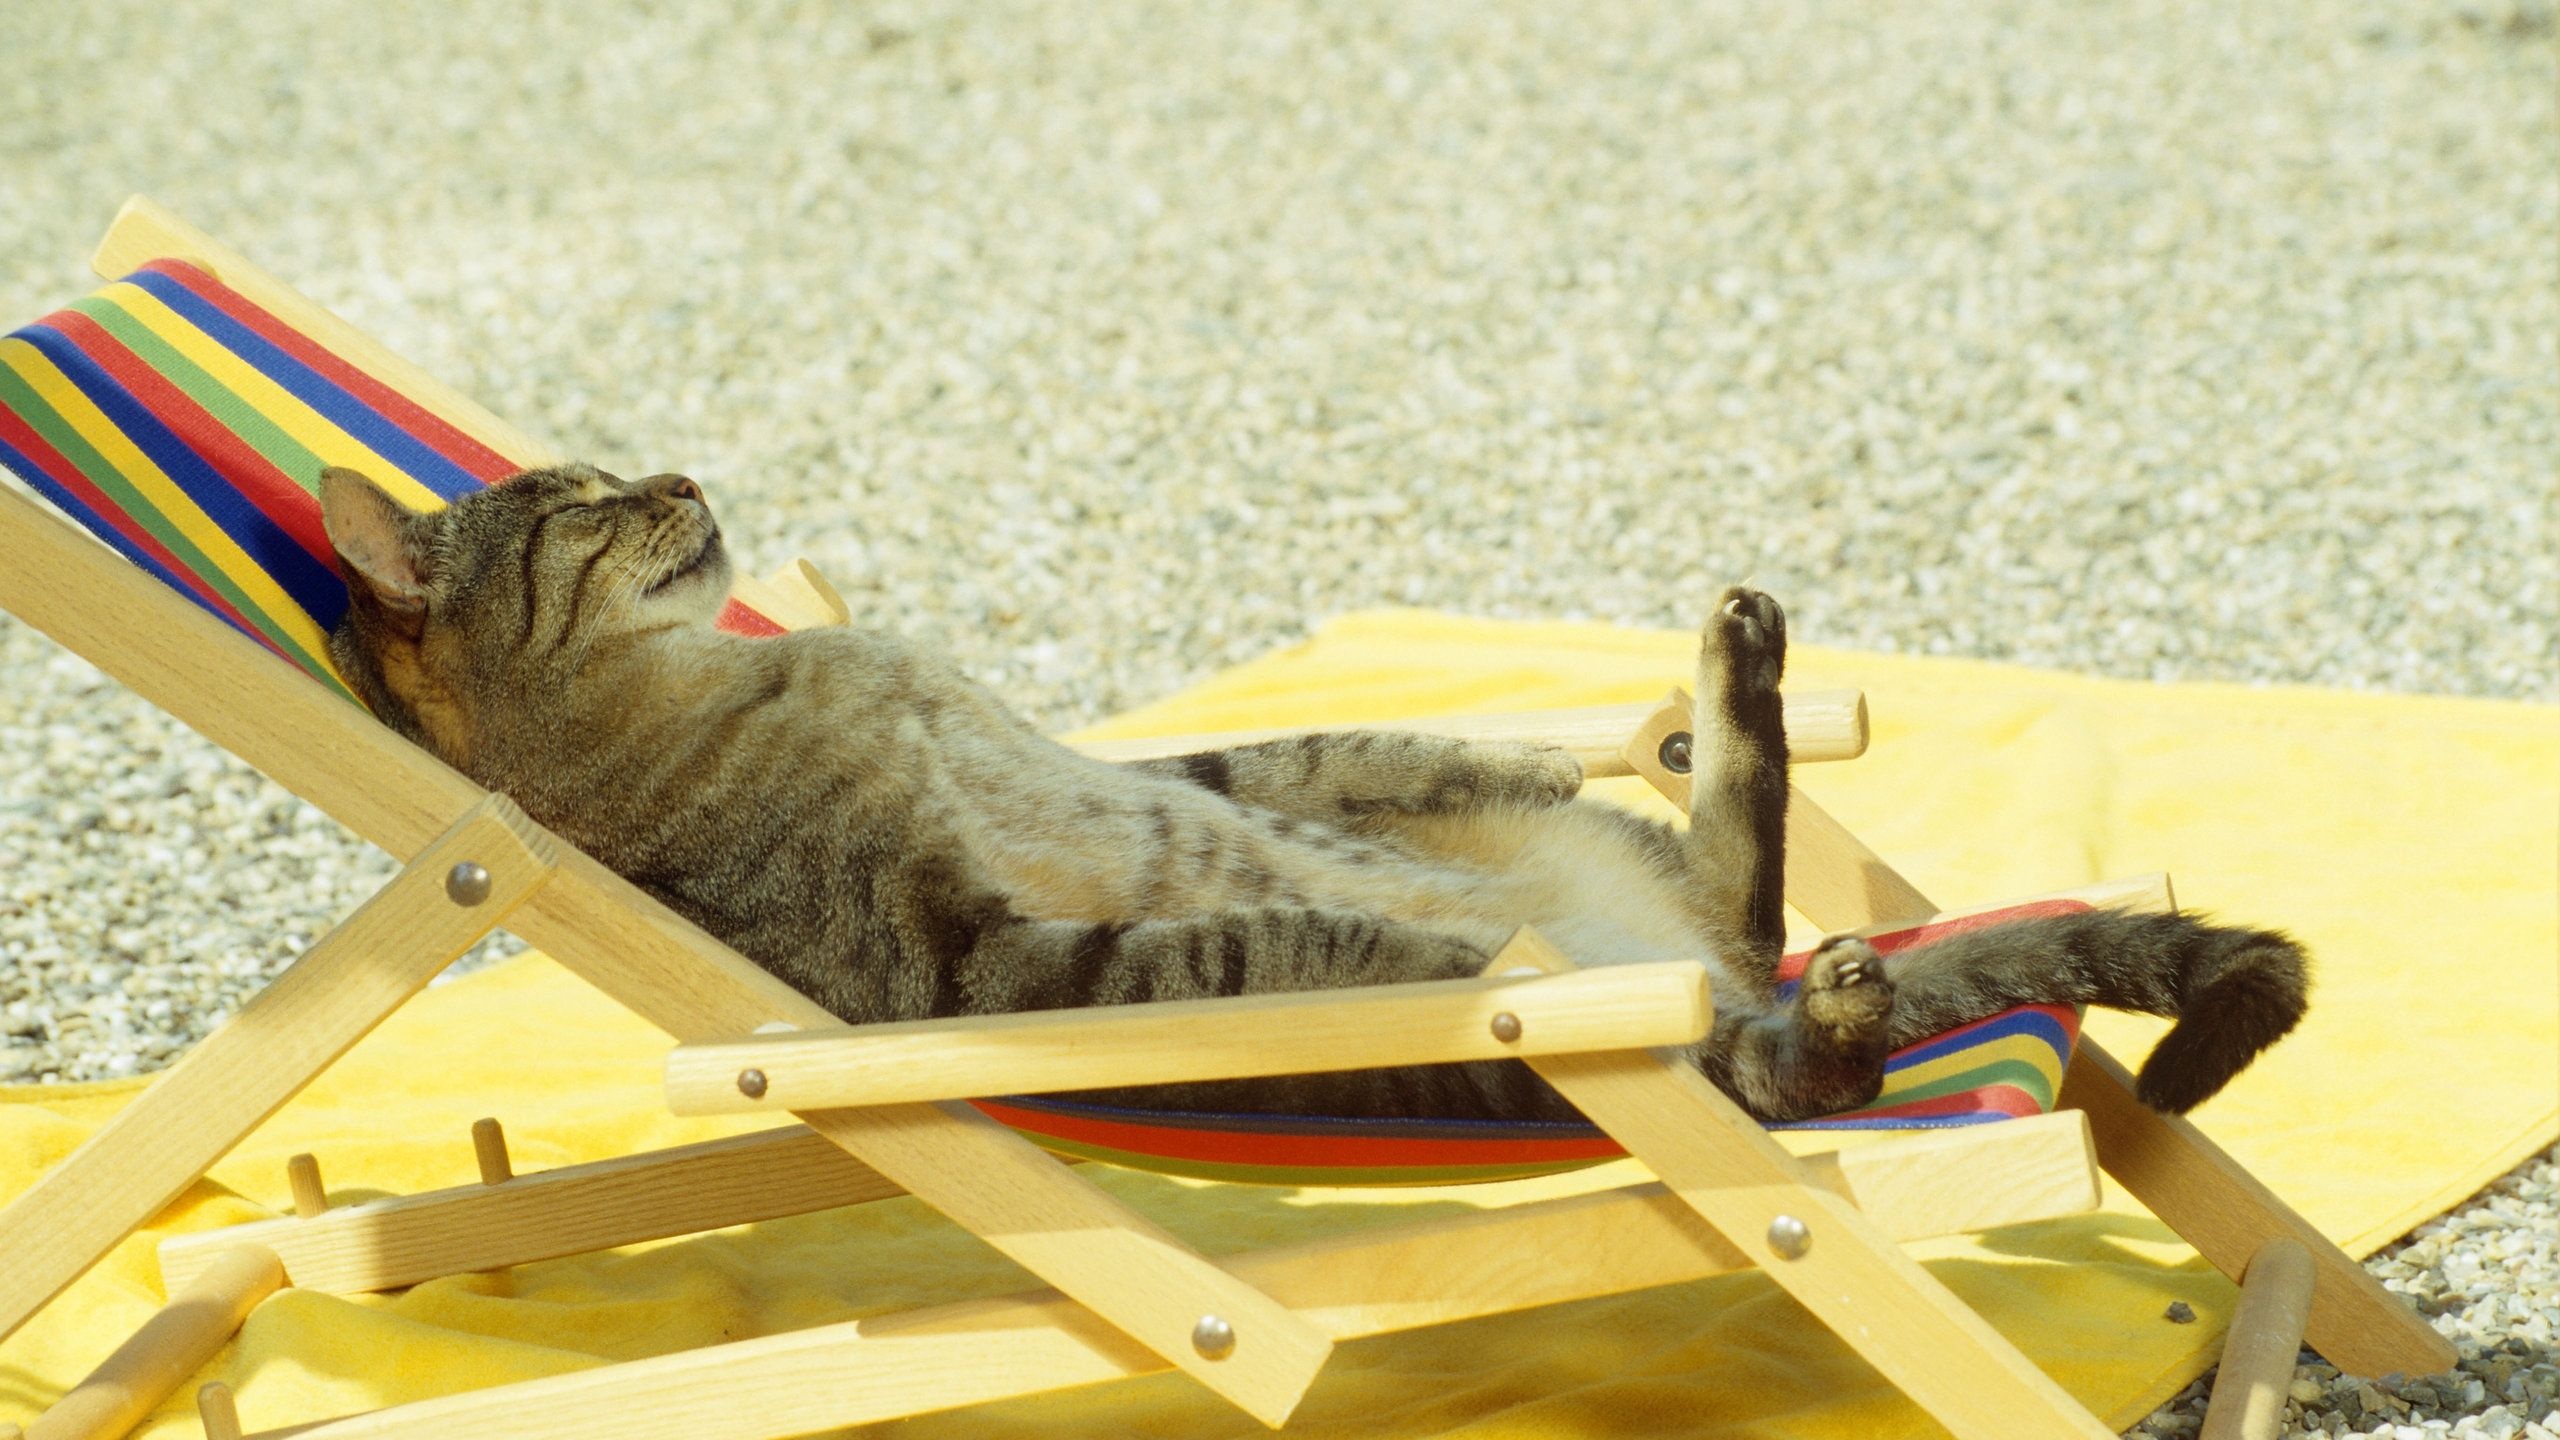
point(859, 817)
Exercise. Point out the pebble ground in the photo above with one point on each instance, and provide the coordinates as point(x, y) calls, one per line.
point(1112, 343)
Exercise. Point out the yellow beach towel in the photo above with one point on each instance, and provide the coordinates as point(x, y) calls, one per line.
point(2412, 842)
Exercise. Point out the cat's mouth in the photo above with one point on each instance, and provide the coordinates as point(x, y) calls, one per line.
point(701, 559)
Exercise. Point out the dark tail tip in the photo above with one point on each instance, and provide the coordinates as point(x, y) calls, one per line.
point(2238, 1003)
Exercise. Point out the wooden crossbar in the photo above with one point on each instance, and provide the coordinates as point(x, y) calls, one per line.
point(1423, 1023)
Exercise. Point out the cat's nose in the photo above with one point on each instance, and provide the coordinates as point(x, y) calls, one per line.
point(674, 487)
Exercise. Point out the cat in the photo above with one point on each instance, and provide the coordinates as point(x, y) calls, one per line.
point(851, 812)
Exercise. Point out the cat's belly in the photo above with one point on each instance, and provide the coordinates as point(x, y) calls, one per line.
point(1566, 870)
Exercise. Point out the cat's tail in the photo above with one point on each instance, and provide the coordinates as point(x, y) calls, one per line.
point(2233, 991)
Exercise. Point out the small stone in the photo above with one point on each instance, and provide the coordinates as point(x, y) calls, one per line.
point(2179, 1313)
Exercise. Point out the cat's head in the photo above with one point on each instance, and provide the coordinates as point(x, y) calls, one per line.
point(448, 607)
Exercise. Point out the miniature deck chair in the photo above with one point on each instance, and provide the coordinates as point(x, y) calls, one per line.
point(181, 414)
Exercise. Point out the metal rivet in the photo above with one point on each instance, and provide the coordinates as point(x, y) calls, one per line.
point(1506, 1027)
point(751, 1084)
point(1213, 1337)
point(1675, 752)
point(467, 883)
point(1789, 1237)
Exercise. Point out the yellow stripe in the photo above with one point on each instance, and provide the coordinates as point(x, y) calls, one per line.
point(163, 494)
point(307, 426)
point(2028, 1048)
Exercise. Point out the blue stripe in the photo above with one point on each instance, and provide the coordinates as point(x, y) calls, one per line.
point(310, 585)
point(312, 388)
point(1999, 1027)
point(1899, 1122)
point(73, 506)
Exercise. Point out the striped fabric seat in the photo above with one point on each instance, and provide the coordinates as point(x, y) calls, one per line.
point(1998, 1068)
point(187, 427)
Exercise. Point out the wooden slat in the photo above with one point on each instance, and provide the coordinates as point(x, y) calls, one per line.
point(178, 1339)
point(812, 592)
point(1428, 1023)
point(405, 1240)
point(288, 1032)
point(1853, 1278)
point(2172, 1167)
point(1821, 725)
point(1372, 1282)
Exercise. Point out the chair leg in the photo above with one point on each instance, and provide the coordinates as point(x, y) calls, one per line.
point(236, 1077)
point(2195, 1188)
point(2217, 1206)
point(1819, 1247)
point(197, 1322)
point(2258, 1354)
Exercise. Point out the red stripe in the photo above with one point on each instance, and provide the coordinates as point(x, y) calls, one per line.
point(1997, 1099)
point(487, 465)
point(1295, 1152)
point(23, 438)
point(240, 465)
point(483, 463)
point(1792, 967)
point(737, 619)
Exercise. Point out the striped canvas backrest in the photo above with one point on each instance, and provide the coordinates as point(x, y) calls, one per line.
point(187, 427)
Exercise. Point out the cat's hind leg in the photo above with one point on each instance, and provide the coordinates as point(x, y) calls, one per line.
point(1738, 783)
point(1818, 1055)
point(1353, 775)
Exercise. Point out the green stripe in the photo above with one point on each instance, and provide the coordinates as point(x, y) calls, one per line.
point(2021, 1073)
point(59, 433)
point(1366, 1175)
point(225, 404)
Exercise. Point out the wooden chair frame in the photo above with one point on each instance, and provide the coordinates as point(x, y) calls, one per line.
point(1126, 1297)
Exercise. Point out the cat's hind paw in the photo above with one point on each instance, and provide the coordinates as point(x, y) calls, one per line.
point(1845, 995)
point(1745, 644)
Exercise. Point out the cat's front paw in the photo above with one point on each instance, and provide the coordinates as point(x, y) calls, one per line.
point(1745, 642)
point(1845, 995)
point(1545, 775)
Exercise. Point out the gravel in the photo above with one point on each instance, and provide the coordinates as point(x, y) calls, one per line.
point(1112, 343)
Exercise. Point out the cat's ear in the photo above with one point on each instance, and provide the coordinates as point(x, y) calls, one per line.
point(381, 546)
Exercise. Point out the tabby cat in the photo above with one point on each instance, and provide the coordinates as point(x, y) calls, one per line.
point(851, 812)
